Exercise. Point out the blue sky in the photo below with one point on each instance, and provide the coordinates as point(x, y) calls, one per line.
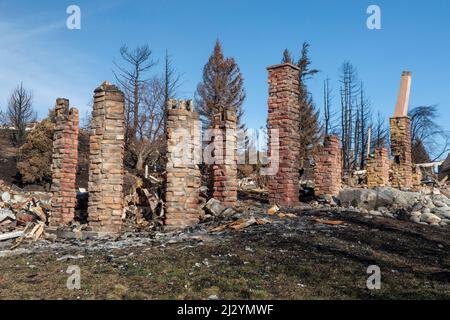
point(36, 47)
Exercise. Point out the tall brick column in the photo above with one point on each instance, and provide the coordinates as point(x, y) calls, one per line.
point(64, 164)
point(401, 137)
point(378, 169)
point(183, 178)
point(224, 173)
point(105, 206)
point(284, 116)
point(328, 167)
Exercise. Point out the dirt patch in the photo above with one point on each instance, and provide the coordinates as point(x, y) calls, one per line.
point(287, 259)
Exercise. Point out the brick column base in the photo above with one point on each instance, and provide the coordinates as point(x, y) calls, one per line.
point(328, 167)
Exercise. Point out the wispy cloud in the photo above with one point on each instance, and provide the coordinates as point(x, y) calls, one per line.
point(11, 35)
point(32, 56)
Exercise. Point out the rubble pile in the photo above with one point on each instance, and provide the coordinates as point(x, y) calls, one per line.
point(144, 205)
point(23, 215)
point(428, 206)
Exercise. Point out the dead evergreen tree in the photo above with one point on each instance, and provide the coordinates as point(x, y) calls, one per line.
point(20, 112)
point(287, 57)
point(222, 87)
point(349, 93)
point(310, 128)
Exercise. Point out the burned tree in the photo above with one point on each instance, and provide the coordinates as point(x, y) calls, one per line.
point(349, 93)
point(362, 124)
point(287, 57)
point(132, 76)
point(222, 87)
point(380, 133)
point(150, 133)
point(327, 107)
point(145, 99)
point(20, 112)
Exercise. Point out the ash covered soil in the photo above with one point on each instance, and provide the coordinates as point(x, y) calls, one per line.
point(288, 258)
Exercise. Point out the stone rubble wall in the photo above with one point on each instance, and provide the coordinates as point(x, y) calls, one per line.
point(328, 167)
point(183, 177)
point(378, 169)
point(284, 113)
point(64, 164)
point(106, 171)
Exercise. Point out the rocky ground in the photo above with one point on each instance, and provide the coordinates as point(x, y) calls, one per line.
point(308, 253)
point(428, 206)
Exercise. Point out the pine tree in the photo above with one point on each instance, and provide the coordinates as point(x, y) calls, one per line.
point(310, 128)
point(287, 57)
point(222, 87)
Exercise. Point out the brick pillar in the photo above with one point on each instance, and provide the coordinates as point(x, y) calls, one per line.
point(224, 173)
point(401, 151)
point(64, 164)
point(378, 169)
point(328, 167)
point(183, 178)
point(105, 206)
point(284, 116)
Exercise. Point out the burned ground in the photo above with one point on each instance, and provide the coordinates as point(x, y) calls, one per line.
point(288, 258)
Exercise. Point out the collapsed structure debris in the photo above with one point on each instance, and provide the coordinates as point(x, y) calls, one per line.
point(23, 215)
